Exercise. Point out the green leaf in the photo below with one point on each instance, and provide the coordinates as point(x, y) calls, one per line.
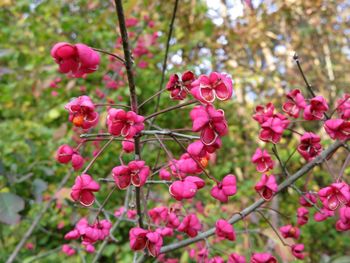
point(10, 205)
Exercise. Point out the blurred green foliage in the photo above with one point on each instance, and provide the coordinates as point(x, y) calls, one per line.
point(255, 47)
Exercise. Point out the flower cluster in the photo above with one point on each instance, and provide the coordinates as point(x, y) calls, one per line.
point(136, 172)
point(89, 234)
point(82, 112)
point(66, 154)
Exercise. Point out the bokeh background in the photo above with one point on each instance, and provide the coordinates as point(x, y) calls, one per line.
point(253, 41)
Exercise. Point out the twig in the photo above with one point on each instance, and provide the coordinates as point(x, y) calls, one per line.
point(97, 155)
point(150, 98)
point(171, 108)
point(37, 220)
point(171, 27)
point(346, 163)
point(109, 53)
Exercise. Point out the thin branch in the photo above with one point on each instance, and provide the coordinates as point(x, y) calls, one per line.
point(150, 98)
point(109, 53)
point(171, 27)
point(111, 105)
point(97, 155)
point(346, 163)
point(171, 108)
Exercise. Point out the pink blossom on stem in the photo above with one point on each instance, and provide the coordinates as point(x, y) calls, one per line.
point(77, 161)
point(68, 250)
point(224, 189)
point(263, 113)
point(210, 122)
point(262, 160)
point(216, 85)
point(64, 153)
point(338, 129)
point(235, 258)
point(136, 172)
point(127, 124)
point(180, 87)
point(323, 214)
point(263, 258)
point(199, 149)
point(343, 107)
point(302, 216)
point(82, 112)
point(335, 195)
point(295, 103)
point(290, 231)
point(173, 221)
point(310, 196)
point(158, 214)
point(78, 59)
point(266, 187)
point(141, 239)
point(216, 259)
point(83, 189)
point(225, 230)
point(309, 146)
point(164, 174)
point(187, 188)
point(297, 251)
point(316, 109)
point(273, 128)
point(128, 146)
point(190, 225)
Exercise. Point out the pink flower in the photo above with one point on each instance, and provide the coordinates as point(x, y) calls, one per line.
point(338, 129)
point(315, 111)
point(266, 187)
point(263, 258)
point(343, 224)
point(141, 238)
point(188, 165)
point(128, 146)
point(138, 238)
point(173, 221)
point(158, 214)
point(83, 189)
point(187, 188)
point(309, 146)
point(68, 250)
point(127, 124)
point(302, 216)
point(154, 244)
point(225, 230)
point(216, 259)
point(224, 189)
point(273, 128)
point(89, 248)
point(78, 59)
point(262, 160)
point(199, 149)
point(210, 122)
point(295, 103)
point(131, 214)
point(323, 215)
point(136, 172)
point(64, 153)
point(235, 258)
point(297, 251)
point(130, 22)
point(343, 107)
point(290, 231)
point(77, 161)
point(263, 113)
point(310, 196)
point(164, 174)
point(82, 112)
point(335, 195)
point(165, 231)
point(190, 225)
point(216, 85)
point(179, 88)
